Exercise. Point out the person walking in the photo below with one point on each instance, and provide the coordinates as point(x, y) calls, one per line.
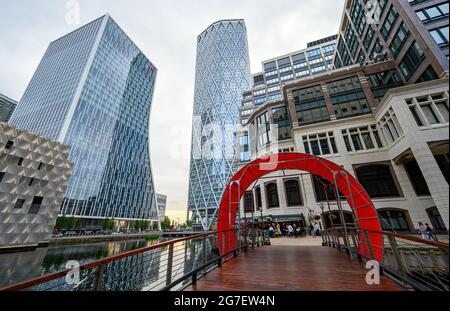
point(430, 233)
point(423, 231)
point(290, 231)
point(271, 231)
point(311, 230)
point(316, 229)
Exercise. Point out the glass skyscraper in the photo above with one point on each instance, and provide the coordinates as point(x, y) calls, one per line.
point(7, 106)
point(222, 75)
point(93, 91)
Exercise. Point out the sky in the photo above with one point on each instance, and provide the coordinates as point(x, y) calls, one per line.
point(166, 32)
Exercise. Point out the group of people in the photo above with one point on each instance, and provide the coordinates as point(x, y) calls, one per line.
point(293, 230)
point(426, 232)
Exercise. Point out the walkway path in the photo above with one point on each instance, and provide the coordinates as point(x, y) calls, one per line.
point(291, 268)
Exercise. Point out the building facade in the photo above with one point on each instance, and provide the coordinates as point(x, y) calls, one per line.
point(401, 31)
point(268, 85)
point(396, 145)
point(381, 113)
point(222, 75)
point(161, 200)
point(34, 173)
point(434, 16)
point(7, 106)
point(93, 91)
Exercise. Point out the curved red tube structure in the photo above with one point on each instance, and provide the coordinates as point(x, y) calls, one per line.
point(355, 194)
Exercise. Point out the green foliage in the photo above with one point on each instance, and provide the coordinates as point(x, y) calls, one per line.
point(108, 224)
point(152, 237)
point(186, 225)
point(141, 225)
point(165, 224)
point(65, 223)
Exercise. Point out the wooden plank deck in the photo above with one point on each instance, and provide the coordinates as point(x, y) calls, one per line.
point(291, 268)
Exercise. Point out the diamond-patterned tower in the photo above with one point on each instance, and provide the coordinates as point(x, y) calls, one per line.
point(222, 76)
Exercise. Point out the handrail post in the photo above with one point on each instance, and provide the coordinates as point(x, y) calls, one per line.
point(194, 278)
point(169, 265)
point(205, 256)
point(223, 242)
point(355, 243)
point(98, 283)
point(253, 238)
point(324, 237)
point(369, 245)
point(396, 253)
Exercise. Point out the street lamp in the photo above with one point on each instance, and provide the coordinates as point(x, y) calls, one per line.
point(322, 207)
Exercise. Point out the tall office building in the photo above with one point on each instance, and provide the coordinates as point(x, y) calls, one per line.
point(161, 200)
point(434, 16)
point(93, 91)
point(222, 75)
point(382, 115)
point(413, 34)
point(7, 106)
point(268, 85)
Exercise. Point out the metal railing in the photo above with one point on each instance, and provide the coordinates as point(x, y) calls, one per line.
point(171, 265)
point(417, 263)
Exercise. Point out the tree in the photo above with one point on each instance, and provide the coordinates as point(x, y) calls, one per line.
point(141, 225)
point(165, 224)
point(64, 223)
point(108, 224)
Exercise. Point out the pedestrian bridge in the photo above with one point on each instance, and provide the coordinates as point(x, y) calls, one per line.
point(292, 265)
point(335, 261)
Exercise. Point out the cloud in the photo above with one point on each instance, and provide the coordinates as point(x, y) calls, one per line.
point(166, 32)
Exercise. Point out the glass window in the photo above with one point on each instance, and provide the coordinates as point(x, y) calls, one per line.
point(272, 195)
point(377, 180)
point(19, 203)
point(412, 60)
point(416, 116)
point(347, 143)
point(323, 189)
point(258, 198)
point(9, 145)
point(293, 193)
point(248, 202)
point(357, 142)
point(36, 205)
point(436, 219)
point(325, 147)
point(443, 162)
point(315, 147)
point(416, 177)
point(394, 220)
point(443, 109)
point(368, 141)
point(429, 114)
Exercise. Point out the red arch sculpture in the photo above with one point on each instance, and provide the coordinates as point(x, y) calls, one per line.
point(355, 194)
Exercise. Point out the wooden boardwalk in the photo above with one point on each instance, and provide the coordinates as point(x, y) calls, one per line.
point(291, 268)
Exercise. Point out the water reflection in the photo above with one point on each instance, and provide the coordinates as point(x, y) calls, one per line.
point(145, 271)
point(18, 267)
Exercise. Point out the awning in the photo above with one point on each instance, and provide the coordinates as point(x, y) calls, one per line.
point(287, 218)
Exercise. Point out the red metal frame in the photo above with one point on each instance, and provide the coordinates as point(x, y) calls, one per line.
point(355, 194)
